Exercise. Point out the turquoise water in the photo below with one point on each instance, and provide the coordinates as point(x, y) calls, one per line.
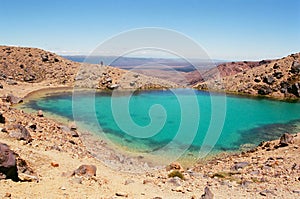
point(176, 121)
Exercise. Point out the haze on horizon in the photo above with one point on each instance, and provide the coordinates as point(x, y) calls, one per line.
point(227, 30)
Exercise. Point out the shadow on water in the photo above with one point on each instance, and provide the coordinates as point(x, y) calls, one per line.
point(267, 132)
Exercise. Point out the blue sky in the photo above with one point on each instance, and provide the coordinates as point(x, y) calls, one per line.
point(226, 29)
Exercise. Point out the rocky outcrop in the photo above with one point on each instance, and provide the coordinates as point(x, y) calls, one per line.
point(8, 167)
point(278, 79)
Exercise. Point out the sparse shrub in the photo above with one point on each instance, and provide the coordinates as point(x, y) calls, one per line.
point(176, 173)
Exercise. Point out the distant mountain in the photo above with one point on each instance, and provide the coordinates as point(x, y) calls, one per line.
point(146, 63)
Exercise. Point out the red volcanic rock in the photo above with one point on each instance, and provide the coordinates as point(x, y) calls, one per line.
point(8, 168)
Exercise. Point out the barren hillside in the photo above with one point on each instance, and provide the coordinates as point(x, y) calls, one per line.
point(278, 79)
point(32, 65)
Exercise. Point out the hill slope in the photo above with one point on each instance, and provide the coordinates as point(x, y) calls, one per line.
point(278, 79)
point(32, 65)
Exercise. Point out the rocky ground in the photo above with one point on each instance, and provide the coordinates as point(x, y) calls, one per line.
point(42, 158)
point(277, 79)
point(20, 65)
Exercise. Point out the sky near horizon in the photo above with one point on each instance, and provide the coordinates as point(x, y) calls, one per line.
point(226, 29)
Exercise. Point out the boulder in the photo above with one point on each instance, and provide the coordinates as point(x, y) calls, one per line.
point(11, 82)
point(45, 58)
point(8, 168)
point(207, 194)
point(275, 66)
point(294, 89)
point(257, 80)
point(113, 86)
point(21, 133)
point(72, 126)
point(29, 78)
point(295, 68)
point(2, 118)
point(264, 90)
point(86, 170)
point(278, 75)
point(40, 113)
point(268, 79)
point(13, 99)
point(286, 139)
point(1, 86)
point(175, 166)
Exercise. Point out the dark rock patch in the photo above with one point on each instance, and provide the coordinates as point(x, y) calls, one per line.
point(264, 90)
point(268, 80)
point(294, 89)
point(2, 118)
point(8, 168)
point(295, 68)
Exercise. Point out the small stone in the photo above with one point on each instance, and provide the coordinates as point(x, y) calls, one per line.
point(174, 166)
point(127, 182)
point(239, 165)
point(73, 126)
point(147, 181)
point(74, 134)
point(207, 194)
point(77, 180)
point(54, 164)
point(265, 192)
point(27, 178)
point(40, 113)
point(62, 188)
point(8, 195)
point(122, 194)
point(88, 170)
point(178, 189)
point(2, 118)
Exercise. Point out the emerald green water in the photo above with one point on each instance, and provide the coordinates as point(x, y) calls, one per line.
point(178, 121)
